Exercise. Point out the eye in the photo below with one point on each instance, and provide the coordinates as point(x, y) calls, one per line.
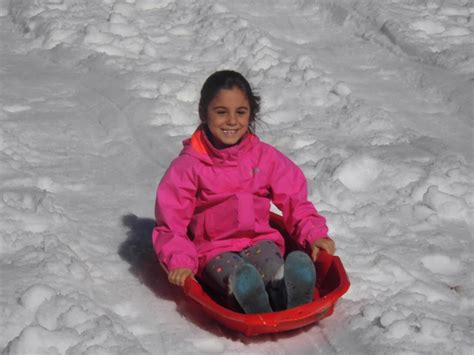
point(221, 112)
point(241, 112)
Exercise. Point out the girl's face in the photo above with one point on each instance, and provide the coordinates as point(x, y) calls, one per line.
point(228, 117)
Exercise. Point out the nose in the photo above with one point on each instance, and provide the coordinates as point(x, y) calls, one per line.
point(232, 119)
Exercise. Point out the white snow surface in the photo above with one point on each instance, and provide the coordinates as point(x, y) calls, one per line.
point(372, 98)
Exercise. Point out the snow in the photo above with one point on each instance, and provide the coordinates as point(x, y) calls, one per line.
point(373, 99)
point(358, 173)
point(35, 295)
point(429, 27)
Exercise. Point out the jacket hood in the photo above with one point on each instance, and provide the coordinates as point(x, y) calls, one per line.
point(200, 147)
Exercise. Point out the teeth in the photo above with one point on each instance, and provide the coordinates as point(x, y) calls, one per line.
point(229, 131)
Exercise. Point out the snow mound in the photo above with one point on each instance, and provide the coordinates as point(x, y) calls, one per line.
point(146, 5)
point(441, 264)
point(429, 27)
point(35, 295)
point(71, 324)
point(37, 340)
point(16, 108)
point(439, 34)
point(359, 172)
point(342, 89)
point(446, 205)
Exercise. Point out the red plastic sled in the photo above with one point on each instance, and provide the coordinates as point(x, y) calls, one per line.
point(332, 283)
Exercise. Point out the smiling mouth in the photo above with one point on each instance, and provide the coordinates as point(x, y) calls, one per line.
point(229, 132)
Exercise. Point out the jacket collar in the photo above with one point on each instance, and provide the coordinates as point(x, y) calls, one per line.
point(200, 146)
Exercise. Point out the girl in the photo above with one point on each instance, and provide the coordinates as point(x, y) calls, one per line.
point(213, 206)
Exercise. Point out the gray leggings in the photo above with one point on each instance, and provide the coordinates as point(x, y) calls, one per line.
point(264, 256)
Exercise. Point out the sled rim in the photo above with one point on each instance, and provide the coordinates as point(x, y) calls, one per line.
point(332, 283)
point(273, 322)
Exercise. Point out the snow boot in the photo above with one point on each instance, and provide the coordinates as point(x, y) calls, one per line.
point(300, 278)
point(247, 286)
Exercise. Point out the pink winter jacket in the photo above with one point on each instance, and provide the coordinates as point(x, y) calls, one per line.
point(213, 201)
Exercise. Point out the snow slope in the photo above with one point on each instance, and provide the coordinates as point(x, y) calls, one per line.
point(373, 99)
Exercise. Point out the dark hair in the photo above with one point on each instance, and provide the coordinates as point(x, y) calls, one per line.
point(228, 79)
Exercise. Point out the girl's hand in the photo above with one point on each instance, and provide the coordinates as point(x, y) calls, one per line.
point(326, 244)
point(178, 276)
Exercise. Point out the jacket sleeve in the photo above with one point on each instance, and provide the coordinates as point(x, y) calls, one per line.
point(290, 195)
point(174, 207)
